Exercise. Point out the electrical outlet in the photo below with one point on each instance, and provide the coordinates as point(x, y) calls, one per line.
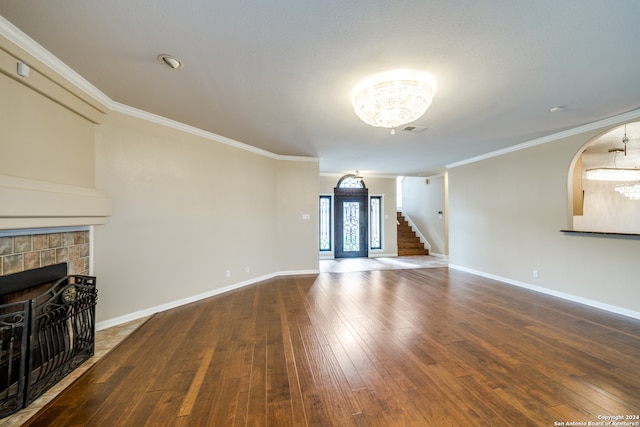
point(246, 269)
point(535, 274)
point(228, 273)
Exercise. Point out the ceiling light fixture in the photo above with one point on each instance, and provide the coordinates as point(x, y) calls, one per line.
point(393, 98)
point(625, 139)
point(170, 61)
point(614, 173)
point(557, 109)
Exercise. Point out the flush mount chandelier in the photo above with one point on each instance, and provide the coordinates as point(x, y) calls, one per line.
point(623, 175)
point(393, 98)
point(613, 174)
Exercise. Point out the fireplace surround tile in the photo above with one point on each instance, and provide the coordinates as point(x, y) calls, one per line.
point(6, 245)
point(22, 244)
point(84, 250)
point(67, 239)
point(26, 252)
point(62, 254)
point(55, 240)
point(79, 237)
point(74, 253)
point(40, 241)
point(12, 263)
point(31, 260)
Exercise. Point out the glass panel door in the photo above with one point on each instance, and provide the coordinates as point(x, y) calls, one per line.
point(351, 226)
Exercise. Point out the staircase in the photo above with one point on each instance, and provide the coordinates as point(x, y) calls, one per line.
point(408, 243)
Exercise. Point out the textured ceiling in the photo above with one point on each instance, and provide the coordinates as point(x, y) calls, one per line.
point(277, 75)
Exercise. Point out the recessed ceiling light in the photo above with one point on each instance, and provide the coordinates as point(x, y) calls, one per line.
point(170, 61)
point(557, 109)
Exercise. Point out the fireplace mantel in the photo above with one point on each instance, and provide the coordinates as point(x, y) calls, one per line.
point(26, 203)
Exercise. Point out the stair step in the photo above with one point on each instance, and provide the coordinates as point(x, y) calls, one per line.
point(407, 233)
point(411, 245)
point(413, 252)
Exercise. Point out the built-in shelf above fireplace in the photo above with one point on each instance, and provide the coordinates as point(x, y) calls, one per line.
point(26, 203)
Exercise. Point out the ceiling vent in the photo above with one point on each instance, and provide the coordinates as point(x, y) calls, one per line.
point(415, 129)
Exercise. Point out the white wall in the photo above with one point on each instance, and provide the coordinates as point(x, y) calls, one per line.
point(297, 241)
point(378, 186)
point(505, 217)
point(422, 202)
point(46, 149)
point(42, 140)
point(187, 209)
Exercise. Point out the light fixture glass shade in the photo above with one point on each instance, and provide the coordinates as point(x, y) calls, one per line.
point(613, 174)
point(631, 191)
point(393, 98)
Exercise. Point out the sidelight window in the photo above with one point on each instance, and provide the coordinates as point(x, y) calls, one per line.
point(325, 223)
point(375, 222)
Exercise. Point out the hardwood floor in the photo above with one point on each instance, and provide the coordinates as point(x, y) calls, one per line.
point(425, 347)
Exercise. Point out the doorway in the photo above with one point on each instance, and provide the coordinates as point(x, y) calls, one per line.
point(351, 229)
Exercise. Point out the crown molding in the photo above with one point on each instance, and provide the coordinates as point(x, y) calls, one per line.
point(610, 121)
point(299, 159)
point(24, 42)
point(153, 118)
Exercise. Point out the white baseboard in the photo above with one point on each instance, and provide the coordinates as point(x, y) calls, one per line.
point(438, 255)
point(570, 297)
point(173, 304)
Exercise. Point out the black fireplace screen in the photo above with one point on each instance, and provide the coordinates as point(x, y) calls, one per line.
point(44, 338)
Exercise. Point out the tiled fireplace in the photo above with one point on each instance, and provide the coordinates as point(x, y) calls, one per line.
point(47, 326)
point(47, 310)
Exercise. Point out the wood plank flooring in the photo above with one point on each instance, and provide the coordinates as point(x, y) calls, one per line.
point(425, 347)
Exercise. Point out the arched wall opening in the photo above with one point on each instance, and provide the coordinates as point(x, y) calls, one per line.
point(606, 204)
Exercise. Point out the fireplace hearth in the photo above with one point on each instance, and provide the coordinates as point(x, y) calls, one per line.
point(47, 329)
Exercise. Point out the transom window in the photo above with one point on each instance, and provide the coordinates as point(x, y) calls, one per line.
point(351, 181)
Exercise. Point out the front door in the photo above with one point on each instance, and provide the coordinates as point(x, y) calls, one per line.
point(351, 224)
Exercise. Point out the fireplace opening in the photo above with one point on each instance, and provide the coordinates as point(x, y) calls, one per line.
point(47, 329)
